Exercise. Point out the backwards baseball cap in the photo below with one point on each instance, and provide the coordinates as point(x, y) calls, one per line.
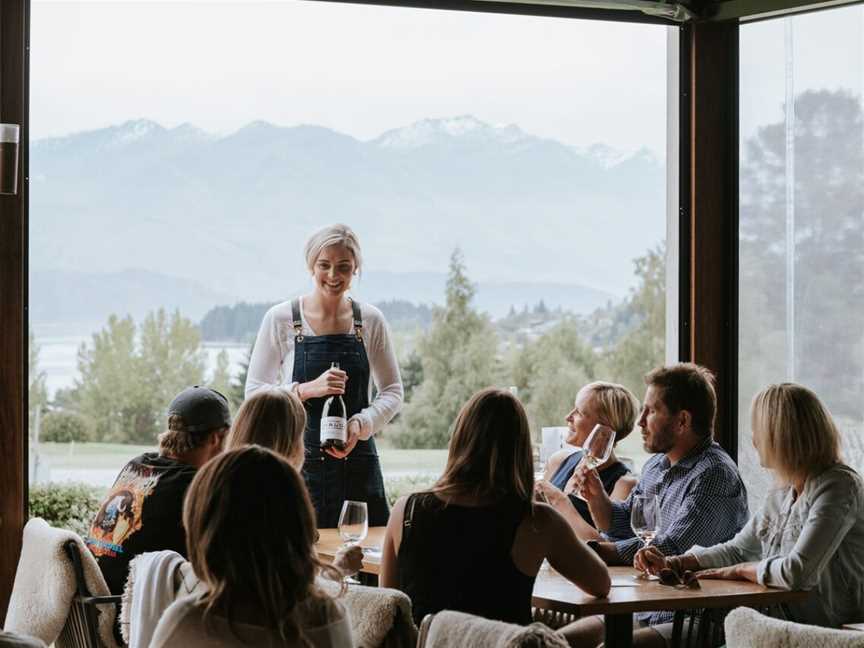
point(201, 408)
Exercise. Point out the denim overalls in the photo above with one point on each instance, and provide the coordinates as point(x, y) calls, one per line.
point(357, 477)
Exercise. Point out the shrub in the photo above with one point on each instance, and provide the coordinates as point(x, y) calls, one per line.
point(67, 505)
point(396, 487)
point(63, 427)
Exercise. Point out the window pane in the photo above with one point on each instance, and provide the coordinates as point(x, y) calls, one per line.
point(189, 178)
point(802, 224)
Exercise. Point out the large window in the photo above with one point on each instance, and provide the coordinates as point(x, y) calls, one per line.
point(182, 153)
point(802, 219)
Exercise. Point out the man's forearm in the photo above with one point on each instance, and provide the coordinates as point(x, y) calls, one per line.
point(601, 511)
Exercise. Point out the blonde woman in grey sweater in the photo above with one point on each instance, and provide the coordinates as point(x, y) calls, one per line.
point(809, 535)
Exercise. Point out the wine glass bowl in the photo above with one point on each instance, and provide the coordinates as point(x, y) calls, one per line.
point(353, 522)
point(645, 519)
point(597, 449)
point(598, 446)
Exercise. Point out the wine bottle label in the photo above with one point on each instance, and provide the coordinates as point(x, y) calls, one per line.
point(333, 427)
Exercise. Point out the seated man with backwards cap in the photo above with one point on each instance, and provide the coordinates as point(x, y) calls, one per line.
point(143, 510)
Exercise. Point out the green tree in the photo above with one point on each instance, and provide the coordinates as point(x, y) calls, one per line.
point(458, 357)
point(237, 390)
point(37, 393)
point(124, 388)
point(63, 427)
point(221, 379)
point(643, 347)
point(550, 370)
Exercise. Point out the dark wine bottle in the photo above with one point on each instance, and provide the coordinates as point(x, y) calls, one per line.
point(334, 421)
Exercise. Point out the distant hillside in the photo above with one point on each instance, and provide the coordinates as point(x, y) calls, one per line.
point(241, 322)
point(232, 212)
point(89, 298)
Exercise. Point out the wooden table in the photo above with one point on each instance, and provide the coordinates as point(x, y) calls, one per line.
point(554, 592)
point(628, 595)
point(329, 542)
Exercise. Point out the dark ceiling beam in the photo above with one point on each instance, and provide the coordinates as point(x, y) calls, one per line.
point(753, 10)
point(14, 108)
point(519, 8)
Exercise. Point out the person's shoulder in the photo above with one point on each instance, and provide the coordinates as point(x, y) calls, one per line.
point(182, 617)
point(840, 479)
point(372, 315)
point(280, 312)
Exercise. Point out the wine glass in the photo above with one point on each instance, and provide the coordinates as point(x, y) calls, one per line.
point(597, 448)
point(353, 525)
point(645, 519)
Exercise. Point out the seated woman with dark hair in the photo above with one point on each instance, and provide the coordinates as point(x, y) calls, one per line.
point(250, 530)
point(596, 403)
point(475, 541)
point(809, 534)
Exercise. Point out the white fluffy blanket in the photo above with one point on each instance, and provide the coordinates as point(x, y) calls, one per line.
point(746, 628)
point(150, 588)
point(451, 629)
point(45, 584)
point(380, 617)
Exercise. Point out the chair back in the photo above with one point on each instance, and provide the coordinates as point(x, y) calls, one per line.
point(380, 617)
point(55, 576)
point(746, 627)
point(81, 629)
point(448, 628)
point(424, 630)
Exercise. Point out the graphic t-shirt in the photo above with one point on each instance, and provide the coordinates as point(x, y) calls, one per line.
point(143, 511)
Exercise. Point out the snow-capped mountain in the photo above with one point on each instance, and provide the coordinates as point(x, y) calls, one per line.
point(231, 212)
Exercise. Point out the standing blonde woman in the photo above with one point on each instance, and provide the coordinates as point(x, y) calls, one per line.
point(250, 532)
point(809, 535)
point(299, 341)
point(596, 403)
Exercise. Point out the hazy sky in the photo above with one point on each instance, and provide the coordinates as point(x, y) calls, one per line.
point(358, 69)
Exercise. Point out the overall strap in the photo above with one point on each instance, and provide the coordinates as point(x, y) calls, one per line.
point(358, 320)
point(297, 322)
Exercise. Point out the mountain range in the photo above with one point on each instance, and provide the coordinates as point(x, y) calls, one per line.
point(158, 212)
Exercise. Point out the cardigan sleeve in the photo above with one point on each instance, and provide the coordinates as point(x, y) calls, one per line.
point(385, 374)
point(266, 362)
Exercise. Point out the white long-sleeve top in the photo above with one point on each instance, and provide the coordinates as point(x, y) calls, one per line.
point(272, 362)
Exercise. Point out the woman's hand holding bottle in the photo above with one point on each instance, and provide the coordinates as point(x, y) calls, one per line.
point(353, 433)
point(328, 383)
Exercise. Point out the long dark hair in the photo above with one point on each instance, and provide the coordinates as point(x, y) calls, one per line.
point(490, 450)
point(250, 535)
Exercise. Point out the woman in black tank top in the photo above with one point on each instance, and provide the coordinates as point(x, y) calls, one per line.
point(475, 541)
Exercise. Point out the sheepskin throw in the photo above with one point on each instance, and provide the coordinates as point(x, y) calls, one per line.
point(469, 631)
point(746, 628)
point(45, 584)
point(150, 588)
point(380, 617)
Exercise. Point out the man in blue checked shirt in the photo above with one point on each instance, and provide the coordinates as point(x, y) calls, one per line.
point(696, 485)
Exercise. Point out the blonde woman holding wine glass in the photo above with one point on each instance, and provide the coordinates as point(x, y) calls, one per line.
point(600, 408)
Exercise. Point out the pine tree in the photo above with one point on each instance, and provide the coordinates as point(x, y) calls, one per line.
point(458, 357)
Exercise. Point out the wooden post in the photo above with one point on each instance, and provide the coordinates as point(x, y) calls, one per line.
point(14, 96)
point(713, 217)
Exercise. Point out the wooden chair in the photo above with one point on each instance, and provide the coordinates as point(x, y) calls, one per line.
point(81, 628)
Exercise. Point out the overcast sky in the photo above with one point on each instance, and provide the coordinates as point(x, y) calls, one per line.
point(358, 69)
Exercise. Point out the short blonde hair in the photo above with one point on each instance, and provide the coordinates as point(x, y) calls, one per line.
point(615, 406)
point(274, 419)
point(793, 431)
point(337, 234)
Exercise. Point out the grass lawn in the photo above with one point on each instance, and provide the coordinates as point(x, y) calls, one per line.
point(112, 456)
